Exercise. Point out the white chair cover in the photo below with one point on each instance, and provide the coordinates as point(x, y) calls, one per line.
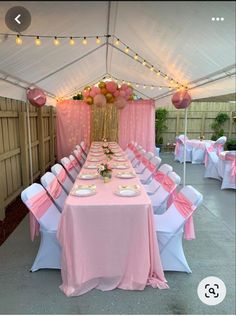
point(229, 173)
point(64, 179)
point(169, 228)
point(54, 189)
point(49, 253)
point(179, 149)
point(211, 165)
point(146, 176)
point(70, 169)
point(141, 167)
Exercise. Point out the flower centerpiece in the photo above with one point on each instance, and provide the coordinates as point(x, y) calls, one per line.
point(105, 171)
point(202, 137)
point(108, 152)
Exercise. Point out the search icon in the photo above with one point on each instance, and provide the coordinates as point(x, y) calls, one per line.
point(212, 291)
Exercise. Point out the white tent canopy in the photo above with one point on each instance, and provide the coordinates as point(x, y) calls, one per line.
point(178, 38)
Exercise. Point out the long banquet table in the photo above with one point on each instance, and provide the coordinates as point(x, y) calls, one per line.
point(109, 241)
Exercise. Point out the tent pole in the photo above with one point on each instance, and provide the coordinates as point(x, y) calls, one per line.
point(185, 134)
point(30, 149)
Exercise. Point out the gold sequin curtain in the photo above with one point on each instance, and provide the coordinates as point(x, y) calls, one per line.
point(104, 123)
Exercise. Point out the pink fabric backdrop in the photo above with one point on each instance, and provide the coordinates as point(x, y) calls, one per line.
point(73, 125)
point(137, 123)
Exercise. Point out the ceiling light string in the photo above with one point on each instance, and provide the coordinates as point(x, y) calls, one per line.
point(132, 53)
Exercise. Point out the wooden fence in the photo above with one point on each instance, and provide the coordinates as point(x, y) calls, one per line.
point(200, 118)
point(14, 146)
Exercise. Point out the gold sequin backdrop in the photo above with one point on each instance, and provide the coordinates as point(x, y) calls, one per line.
point(104, 123)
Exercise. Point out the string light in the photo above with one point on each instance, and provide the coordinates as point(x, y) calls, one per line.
point(38, 41)
point(18, 40)
point(160, 88)
point(137, 85)
point(84, 41)
point(144, 62)
point(136, 56)
point(144, 86)
point(117, 42)
point(166, 76)
point(72, 42)
point(56, 41)
point(158, 73)
point(152, 68)
point(98, 40)
point(172, 81)
point(127, 49)
point(152, 87)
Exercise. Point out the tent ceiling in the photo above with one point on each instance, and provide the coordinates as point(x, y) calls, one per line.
point(179, 38)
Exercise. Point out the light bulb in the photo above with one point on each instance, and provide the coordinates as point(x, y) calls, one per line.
point(117, 42)
point(160, 88)
point(166, 77)
point(98, 40)
point(158, 73)
point(56, 41)
point(19, 40)
point(136, 56)
point(152, 87)
point(38, 41)
point(127, 49)
point(144, 87)
point(169, 88)
point(152, 68)
point(84, 41)
point(144, 62)
point(137, 85)
point(172, 81)
point(72, 41)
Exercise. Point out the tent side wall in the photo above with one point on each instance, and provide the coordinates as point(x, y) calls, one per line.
point(14, 146)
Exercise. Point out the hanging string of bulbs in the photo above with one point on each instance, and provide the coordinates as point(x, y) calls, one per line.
point(172, 84)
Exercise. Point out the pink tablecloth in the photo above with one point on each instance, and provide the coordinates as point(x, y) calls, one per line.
point(197, 143)
point(109, 241)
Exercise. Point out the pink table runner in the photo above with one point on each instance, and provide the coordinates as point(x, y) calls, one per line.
point(109, 241)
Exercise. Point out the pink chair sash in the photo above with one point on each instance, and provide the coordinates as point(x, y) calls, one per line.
point(62, 176)
point(233, 167)
point(144, 161)
point(38, 205)
point(151, 167)
point(219, 148)
point(69, 166)
point(159, 176)
point(168, 184)
point(54, 189)
point(177, 148)
point(186, 208)
point(208, 150)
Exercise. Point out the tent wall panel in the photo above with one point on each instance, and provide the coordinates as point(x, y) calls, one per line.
point(14, 146)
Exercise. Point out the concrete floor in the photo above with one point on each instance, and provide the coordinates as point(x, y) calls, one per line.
point(211, 254)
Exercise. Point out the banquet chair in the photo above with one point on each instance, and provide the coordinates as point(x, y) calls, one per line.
point(78, 156)
point(198, 155)
point(143, 162)
point(84, 156)
point(40, 205)
point(84, 147)
point(138, 156)
point(179, 149)
point(131, 152)
point(229, 175)
point(129, 148)
point(69, 167)
point(219, 144)
point(169, 228)
point(75, 163)
point(152, 166)
point(211, 164)
point(137, 149)
point(167, 186)
point(157, 177)
point(54, 189)
point(62, 177)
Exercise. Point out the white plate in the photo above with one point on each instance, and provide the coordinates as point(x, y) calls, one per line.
point(120, 167)
point(84, 190)
point(91, 166)
point(94, 159)
point(96, 154)
point(88, 176)
point(118, 155)
point(127, 191)
point(125, 175)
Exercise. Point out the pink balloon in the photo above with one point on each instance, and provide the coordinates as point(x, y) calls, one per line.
point(129, 91)
point(100, 100)
point(124, 86)
point(117, 93)
point(111, 86)
point(181, 99)
point(120, 103)
point(122, 93)
point(94, 91)
point(85, 93)
point(36, 97)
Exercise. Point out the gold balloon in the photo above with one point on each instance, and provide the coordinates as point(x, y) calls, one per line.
point(87, 88)
point(102, 85)
point(108, 96)
point(104, 91)
point(112, 100)
point(89, 100)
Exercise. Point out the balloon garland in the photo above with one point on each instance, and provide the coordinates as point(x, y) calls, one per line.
point(108, 92)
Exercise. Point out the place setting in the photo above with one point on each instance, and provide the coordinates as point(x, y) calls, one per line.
point(83, 190)
point(88, 176)
point(128, 190)
point(119, 166)
point(126, 175)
